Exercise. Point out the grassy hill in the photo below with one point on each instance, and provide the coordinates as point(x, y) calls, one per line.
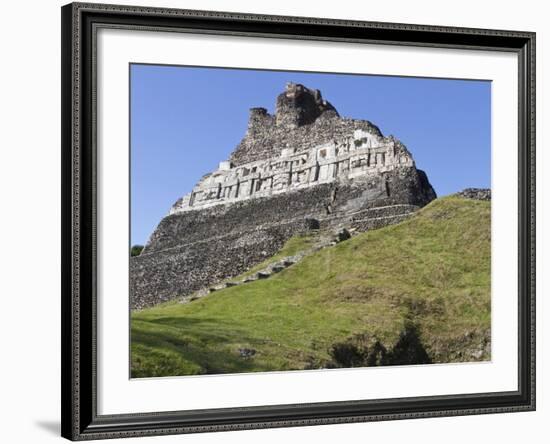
point(416, 292)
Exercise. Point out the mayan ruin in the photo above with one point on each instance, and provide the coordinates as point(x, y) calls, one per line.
point(302, 168)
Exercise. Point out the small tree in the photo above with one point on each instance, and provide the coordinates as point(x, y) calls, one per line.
point(136, 250)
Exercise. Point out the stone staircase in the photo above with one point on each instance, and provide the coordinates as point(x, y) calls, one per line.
point(325, 240)
point(332, 231)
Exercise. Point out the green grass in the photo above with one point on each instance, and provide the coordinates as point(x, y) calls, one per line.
point(292, 247)
point(431, 271)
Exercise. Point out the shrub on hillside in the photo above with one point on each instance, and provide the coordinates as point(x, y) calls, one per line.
point(136, 250)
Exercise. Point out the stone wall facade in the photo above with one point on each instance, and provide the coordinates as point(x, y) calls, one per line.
point(303, 168)
point(183, 269)
point(361, 156)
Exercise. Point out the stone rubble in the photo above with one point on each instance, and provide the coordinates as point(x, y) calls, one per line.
point(475, 193)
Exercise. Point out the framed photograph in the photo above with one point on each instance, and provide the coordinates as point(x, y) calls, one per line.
point(274, 221)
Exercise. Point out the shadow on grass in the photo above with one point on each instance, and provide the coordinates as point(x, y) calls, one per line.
point(365, 351)
point(172, 346)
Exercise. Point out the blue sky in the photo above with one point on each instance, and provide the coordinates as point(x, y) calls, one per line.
point(184, 120)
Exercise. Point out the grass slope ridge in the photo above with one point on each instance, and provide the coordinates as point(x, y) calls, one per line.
point(414, 292)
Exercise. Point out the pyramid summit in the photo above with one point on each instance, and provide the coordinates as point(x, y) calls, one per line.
point(302, 120)
point(304, 168)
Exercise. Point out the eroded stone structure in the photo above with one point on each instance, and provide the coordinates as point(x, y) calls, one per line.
point(303, 168)
point(360, 155)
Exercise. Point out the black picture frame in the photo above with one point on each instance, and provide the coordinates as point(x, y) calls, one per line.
point(80, 420)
